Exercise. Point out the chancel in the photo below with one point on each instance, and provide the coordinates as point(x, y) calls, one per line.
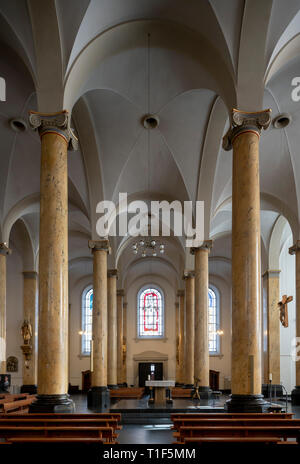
point(150, 221)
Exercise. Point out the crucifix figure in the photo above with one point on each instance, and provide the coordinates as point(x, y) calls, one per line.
point(283, 310)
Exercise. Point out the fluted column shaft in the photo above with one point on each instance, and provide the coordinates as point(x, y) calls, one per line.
point(246, 259)
point(112, 328)
point(120, 295)
point(56, 137)
point(177, 337)
point(124, 348)
point(190, 327)
point(4, 251)
point(30, 310)
point(181, 346)
point(201, 314)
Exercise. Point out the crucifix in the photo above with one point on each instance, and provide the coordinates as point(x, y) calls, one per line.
point(284, 310)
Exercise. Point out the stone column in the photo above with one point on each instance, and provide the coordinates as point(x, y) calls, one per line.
point(201, 371)
point(56, 138)
point(124, 348)
point(182, 338)
point(177, 336)
point(30, 311)
point(295, 250)
point(4, 251)
point(120, 295)
point(112, 328)
point(190, 328)
point(272, 329)
point(243, 137)
point(98, 396)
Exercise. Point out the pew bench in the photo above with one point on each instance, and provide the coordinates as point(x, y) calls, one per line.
point(87, 440)
point(237, 415)
point(70, 422)
point(283, 432)
point(20, 406)
point(106, 433)
point(200, 440)
point(270, 422)
point(112, 415)
point(177, 392)
point(135, 393)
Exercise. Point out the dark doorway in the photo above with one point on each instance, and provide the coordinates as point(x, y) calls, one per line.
point(154, 370)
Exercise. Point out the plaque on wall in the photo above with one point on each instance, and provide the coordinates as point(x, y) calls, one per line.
point(12, 364)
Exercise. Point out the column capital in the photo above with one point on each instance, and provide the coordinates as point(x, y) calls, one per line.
point(99, 245)
point(243, 121)
point(112, 273)
point(4, 250)
point(206, 245)
point(293, 249)
point(188, 275)
point(30, 274)
point(180, 292)
point(58, 123)
point(121, 292)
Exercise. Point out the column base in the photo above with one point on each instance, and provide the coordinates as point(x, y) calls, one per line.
point(246, 403)
point(205, 393)
point(52, 404)
point(98, 398)
point(31, 389)
point(122, 385)
point(112, 387)
point(295, 396)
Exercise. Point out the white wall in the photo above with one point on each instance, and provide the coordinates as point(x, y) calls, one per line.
point(287, 286)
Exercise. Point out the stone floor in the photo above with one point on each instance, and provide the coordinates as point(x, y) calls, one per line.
point(159, 431)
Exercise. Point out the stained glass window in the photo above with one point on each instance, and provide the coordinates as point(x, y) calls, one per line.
point(213, 321)
point(87, 320)
point(150, 313)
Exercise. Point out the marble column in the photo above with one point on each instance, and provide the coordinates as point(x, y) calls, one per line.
point(201, 370)
point(124, 348)
point(180, 295)
point(177, 337)
point(56, 137)
point(272, 327)
point(246, 383)
point(30, 314)
point(4, 251)
point(120, 295)
point(98, 396)
point(112, 328)
point(295, 250)
point(190, 327)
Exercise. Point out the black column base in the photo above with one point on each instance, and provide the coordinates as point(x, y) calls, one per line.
point(205, 393)
point(295, 396)
point(98, 398)
point(122, 385)
point(31, 389)
point(112, 387)
point(246, 403)
point(52, 404)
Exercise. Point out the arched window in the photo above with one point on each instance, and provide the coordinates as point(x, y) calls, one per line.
point(213, 321)
point(150, 313)
point(86, 321)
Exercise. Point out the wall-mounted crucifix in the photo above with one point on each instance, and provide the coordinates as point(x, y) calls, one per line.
point(284, 310)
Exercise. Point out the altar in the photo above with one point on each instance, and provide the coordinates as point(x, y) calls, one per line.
point(160, 387)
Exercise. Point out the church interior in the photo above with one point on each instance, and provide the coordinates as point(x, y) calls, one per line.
point(152, 104)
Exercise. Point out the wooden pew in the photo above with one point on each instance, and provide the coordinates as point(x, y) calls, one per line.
point(20, 406)
point(54, 432)
point(113, 415)
point(178, 423)
point(200, 440)
point(177, 392)
point(70, 422)
point(136, 393)
point(283, 432)
point(242, 415)
point(37, 440)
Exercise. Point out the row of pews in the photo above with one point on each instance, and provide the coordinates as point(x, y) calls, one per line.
point(15, 404)
point(279, 428)
point(99, 428)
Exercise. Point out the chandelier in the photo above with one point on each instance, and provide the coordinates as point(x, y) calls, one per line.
point(148, 246)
